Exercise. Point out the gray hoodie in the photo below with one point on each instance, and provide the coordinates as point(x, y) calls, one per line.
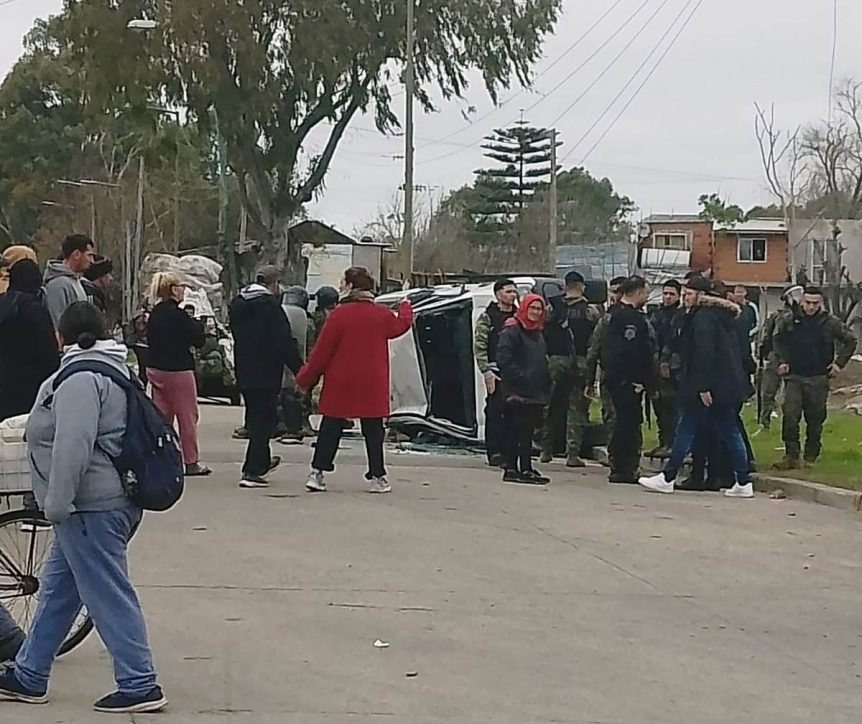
point(70, 439)
point(62, 288)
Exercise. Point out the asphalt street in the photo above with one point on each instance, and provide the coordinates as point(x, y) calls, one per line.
point(584, 602)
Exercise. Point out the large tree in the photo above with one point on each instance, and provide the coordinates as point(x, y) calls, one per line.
point(278, 72)
point(52, 132)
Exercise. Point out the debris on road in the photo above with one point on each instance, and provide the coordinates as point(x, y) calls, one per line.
point(380, 644)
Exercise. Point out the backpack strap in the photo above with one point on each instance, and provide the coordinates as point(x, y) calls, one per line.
point(127, 384)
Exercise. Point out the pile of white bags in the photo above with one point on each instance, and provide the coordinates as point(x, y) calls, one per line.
point(199, 274)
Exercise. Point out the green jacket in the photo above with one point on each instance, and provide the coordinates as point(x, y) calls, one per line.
point(838, 333)
point(766, 337)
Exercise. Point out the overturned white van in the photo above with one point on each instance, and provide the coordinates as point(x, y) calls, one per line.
point(435, 383)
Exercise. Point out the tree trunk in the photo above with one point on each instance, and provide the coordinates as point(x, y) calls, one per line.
point(285, 253)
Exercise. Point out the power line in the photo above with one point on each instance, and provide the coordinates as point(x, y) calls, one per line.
point(596, 52)
point(559, 59)
point(582, 65)
point(611, 64)
point(641, 86)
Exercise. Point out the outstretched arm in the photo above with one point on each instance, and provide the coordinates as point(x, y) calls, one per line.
point(400, 323)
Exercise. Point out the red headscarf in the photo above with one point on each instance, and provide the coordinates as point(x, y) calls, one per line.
point(521, 315)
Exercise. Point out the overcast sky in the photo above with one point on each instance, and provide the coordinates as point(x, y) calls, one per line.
point(689, 131)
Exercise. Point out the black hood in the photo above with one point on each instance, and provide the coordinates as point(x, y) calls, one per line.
point(250, 301)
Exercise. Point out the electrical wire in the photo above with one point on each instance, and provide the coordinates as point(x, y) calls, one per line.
point(599, 49)
point(622, 27)
point(632, 79)
point(611, 64)
point(559, 59)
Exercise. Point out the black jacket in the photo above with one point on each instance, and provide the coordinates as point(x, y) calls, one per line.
point(523, 360)
point(712, 360)
point(171, 334)
point(28, 351)
point(628, 354)
point(263, 342)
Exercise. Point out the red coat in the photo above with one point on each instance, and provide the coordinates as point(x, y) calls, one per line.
point(352, 356)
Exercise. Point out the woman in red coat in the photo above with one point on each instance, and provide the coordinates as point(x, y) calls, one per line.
point(352, 356)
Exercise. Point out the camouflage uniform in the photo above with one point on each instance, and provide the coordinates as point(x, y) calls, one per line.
point(594, 354)
point(569, 330)
point(770, 382)
point(808, 345)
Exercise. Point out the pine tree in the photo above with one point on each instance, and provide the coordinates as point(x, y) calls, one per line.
point(524, 155)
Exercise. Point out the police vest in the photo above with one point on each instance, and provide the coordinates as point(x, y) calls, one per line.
point(812, 349)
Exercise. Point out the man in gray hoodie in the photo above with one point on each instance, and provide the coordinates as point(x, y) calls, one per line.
point(63, 276)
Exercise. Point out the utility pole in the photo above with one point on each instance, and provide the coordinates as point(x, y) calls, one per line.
point(410, 79)
point(225, 248)
point(135, 266)
point(552, 240)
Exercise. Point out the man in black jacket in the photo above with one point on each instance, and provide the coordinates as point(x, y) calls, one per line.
point(28, 345)
point(263, 346)
point(665, 322)
point(712, 385)
point(628, 356)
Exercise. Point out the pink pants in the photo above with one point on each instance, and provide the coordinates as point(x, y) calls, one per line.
point(176, 395)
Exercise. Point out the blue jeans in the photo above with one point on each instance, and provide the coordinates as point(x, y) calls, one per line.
point(723, 422)
point(9, 631)
point(87, 565)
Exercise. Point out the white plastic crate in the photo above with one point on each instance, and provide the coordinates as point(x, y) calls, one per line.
point(14, 460)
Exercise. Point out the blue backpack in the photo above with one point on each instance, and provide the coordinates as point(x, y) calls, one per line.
point(150, 463)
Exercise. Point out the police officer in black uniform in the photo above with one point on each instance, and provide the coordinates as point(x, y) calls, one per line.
point(628, 357)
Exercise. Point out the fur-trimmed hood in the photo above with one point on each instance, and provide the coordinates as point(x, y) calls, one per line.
point(719, 303)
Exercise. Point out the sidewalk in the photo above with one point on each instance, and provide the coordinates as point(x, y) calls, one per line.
point(584, 602)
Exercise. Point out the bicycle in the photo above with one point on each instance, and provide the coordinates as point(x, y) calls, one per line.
point(25, 539)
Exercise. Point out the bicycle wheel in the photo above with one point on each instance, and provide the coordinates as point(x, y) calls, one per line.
point(24, 545)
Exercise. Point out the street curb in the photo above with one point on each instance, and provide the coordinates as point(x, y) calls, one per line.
point(810, 492)
point(804, 490)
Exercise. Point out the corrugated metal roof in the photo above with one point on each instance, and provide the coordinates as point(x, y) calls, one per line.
point(755, 226)
point(596, 261)
point(673, 219)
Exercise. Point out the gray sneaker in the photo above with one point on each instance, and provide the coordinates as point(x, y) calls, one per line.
point(315, 482)
point(379, 486)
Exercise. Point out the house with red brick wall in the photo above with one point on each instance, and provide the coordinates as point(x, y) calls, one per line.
point(753, 253)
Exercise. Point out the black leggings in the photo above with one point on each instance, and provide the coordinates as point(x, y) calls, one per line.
point(331, 429)
point(522, 421)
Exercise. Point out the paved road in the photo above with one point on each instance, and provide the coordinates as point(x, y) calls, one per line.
point(581, 603)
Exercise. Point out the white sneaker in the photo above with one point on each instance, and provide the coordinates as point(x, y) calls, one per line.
point(379, 486)
point(657, 483)
point(740, 491)
point(253, 481)
point(315, 482)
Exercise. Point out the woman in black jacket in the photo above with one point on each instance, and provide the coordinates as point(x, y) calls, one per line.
point(171, 335)
point(526, 385)
point(28, 345)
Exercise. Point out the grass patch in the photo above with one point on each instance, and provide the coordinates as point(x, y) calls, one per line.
point(840, 464)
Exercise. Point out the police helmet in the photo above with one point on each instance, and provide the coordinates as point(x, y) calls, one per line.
point(326, 297)
point(296, 297)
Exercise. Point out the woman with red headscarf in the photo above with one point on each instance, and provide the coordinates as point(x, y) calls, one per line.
point(526, 386)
